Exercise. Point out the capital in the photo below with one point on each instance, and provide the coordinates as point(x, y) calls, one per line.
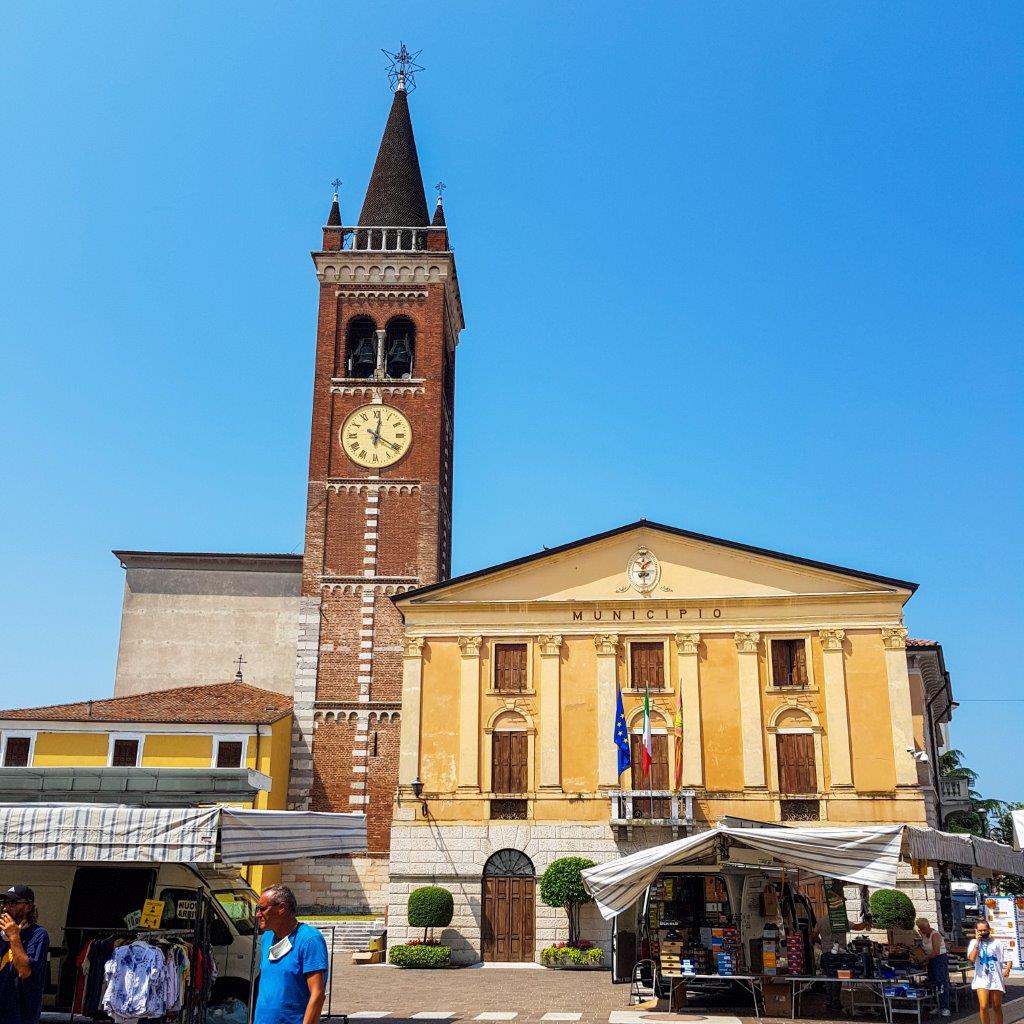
point(550, 644)
point(413, 646)
point(607, 643)
point(688, 643)
point(831, 639)
point(471, 646)
point(746, 643)
point(895, 638)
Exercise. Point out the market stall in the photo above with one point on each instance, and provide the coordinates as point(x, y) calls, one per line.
point(748, 905)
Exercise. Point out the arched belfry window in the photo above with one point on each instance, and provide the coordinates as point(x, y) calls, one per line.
point(509, 864)
point(360, 347)
point(401, 348)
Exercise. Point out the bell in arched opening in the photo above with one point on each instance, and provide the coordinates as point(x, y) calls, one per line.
point(362, 347)
point(401, 348)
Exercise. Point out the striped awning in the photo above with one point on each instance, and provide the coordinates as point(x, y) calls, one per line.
point(265, 837)
point(1018, 828)
point(201, 835)
point(864, 856)
point(997, 857)
point(931, 844)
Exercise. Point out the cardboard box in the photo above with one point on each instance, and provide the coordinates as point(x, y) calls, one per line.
point(778, 1000)
point(368, 956)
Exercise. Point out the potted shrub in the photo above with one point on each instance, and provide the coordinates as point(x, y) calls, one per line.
point(562, 886)
point(428, 908)
point(891, 909)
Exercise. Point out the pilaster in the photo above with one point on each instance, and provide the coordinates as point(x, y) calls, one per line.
point(836, 713)
point(550, 646)
point(607, 645)
point(469, 714)
point(688, 659)
point(412, 693)
point(900, 711)
point(751, 725)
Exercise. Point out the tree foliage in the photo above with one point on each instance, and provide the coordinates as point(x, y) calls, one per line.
point(891, 909)
point(562, 886)
point(430, 907)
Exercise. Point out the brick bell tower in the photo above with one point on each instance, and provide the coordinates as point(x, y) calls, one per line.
point(380, 491)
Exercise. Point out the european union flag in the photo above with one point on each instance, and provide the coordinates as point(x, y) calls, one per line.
point(621, 736)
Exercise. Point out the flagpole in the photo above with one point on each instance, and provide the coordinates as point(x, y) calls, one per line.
point(650, 767)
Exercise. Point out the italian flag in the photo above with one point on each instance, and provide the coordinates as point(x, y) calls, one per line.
point(646, 755)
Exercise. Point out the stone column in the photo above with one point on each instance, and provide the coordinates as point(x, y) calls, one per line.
point(836, 714)
point(469, 714)
point(751, 725)
point(412, 694)
point(550, 711)
point(607, 645)
point(687, 651)
point(900, 712)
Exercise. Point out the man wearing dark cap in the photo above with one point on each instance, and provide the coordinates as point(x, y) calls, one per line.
point(23, 949)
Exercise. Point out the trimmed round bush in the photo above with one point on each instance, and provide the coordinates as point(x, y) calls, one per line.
point(430, 907)
point(891, 909)
point(420, 956)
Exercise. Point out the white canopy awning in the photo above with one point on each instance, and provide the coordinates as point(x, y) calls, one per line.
point(1018, 828)
point(865, 856)
point(106, 832)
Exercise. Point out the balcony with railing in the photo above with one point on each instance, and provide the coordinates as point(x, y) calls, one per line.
point(386, 239)
point(652, 807)
point(955, 794)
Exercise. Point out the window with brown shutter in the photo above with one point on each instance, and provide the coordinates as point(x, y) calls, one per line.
point(647, 665)
point(789, 663)
point(16, 752)
point(797, 773)
point(125, 754)
point(510, 668)
point(229, 754)
point(508, 762)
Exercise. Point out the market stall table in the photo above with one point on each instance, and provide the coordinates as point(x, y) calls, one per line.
point(748, 982)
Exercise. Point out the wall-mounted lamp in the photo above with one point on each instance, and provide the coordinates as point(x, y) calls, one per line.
point(417, 792)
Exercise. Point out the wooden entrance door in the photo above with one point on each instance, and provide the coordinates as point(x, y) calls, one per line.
point(508, 919)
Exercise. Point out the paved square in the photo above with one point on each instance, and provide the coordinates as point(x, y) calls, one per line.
point(497, 1015)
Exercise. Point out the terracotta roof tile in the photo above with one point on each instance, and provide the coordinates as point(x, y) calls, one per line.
point(911, 642)
point(216, 704)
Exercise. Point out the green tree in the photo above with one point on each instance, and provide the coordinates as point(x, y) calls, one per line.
point(891, 909)
point(979, 818)
point(430, 907)
point(562, 886)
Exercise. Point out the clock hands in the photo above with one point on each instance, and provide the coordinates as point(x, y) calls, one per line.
point(377, 438)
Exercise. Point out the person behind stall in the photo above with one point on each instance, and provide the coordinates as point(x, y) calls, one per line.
point(23, 949)
point(991, 969)
point(937, 960)
point(832, 943)
point(293, 962)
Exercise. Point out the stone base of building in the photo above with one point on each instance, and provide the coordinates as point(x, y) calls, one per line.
point(339, 885)
point(454, 856)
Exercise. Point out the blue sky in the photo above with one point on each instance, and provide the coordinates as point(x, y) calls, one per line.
point(750, 269)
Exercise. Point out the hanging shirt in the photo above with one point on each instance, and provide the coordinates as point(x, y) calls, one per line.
point(134, 976)
point(284, 991)
point(21, 999)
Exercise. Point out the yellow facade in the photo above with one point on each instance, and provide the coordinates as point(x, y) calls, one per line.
point(70, 749)
point(169, 751)
point(716, 612)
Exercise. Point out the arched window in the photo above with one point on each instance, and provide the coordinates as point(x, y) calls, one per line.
point(401, 348)
point(360, 347)
point(509, 864)
point(509, 754)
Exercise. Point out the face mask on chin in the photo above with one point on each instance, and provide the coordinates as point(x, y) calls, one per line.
point(280, 948)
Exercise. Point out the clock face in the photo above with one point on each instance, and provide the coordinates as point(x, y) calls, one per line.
point(375, 436)
point(644, 571)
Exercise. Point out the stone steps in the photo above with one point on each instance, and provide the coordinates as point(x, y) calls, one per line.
point(349, 936)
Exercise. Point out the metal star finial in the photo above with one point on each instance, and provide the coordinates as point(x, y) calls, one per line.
point(336, 184)
point(403, 67)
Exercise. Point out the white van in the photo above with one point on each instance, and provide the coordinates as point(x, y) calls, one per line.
point(71, 897)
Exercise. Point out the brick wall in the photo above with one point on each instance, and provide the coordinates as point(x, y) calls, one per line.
point(387, 654)
point(332, 766)
point(343, 543)
point(382, 780)
point(338, 667)
point(400, 530)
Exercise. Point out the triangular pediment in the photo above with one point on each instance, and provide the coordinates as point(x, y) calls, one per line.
point(687, 565)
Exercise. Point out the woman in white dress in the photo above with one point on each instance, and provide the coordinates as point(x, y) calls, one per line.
point(991, 969)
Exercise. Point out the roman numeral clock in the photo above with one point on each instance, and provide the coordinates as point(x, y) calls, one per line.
point(375, 436)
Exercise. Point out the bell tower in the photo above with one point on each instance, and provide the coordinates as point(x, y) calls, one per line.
point(379, 501)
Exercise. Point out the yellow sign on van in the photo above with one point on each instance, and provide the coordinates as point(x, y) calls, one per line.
point(152, 914)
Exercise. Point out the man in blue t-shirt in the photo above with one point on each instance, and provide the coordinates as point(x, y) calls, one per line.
point(23, 950)
point(293, 962)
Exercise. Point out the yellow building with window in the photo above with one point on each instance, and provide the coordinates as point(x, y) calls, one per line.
point(219, 743)
point(790, 677)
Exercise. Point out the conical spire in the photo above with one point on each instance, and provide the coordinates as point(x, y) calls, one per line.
point(334, 217)
point(395, 196)
point(438, 221)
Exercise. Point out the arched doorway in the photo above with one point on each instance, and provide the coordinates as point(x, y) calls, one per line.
point(508, 915)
